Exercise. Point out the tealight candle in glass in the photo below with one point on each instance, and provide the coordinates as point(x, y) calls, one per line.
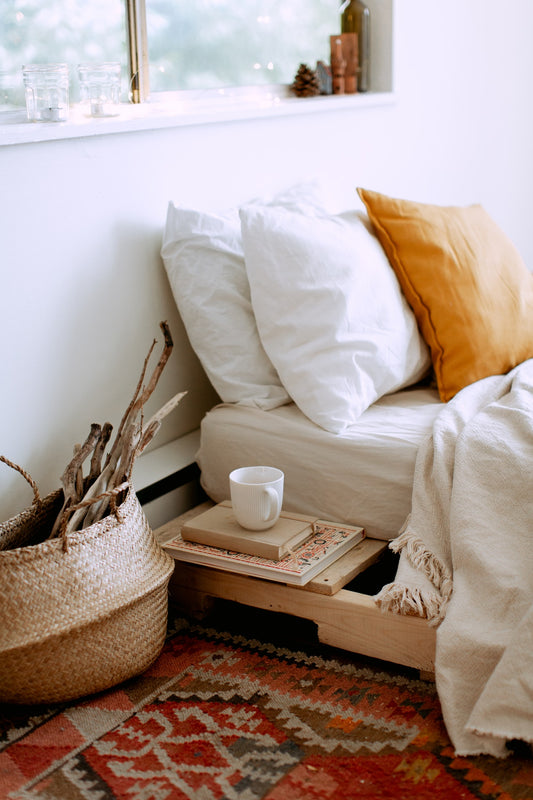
point(100, 88)
point(46, 90)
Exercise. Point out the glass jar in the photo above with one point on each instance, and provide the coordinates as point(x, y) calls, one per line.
point(355, 18)
point(100, 88)
point(46, 90)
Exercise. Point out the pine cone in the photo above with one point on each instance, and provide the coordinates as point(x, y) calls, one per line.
point(305, 82)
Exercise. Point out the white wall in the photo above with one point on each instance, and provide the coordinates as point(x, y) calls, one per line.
point(83, 287)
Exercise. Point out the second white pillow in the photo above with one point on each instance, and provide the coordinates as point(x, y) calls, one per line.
point(204, 260)
point(330, 312)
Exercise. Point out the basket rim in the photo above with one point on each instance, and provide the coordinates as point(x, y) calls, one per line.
point(73, 539)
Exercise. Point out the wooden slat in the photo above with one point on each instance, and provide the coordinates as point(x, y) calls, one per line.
point(347, 567)
point(348, 620)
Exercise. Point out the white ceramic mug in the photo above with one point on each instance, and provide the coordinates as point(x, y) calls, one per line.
point(256, 496)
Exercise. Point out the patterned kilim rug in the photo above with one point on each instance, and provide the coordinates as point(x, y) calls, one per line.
point(246, 710)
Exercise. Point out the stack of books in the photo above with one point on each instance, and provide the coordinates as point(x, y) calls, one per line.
point(293, 551)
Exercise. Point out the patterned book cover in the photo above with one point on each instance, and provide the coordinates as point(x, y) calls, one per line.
point(328, 543)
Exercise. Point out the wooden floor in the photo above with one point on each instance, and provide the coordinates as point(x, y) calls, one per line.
point(346, 617)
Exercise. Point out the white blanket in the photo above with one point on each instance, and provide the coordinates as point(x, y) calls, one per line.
point(467, 560)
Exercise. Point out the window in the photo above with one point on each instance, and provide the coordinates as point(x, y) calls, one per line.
point(203, 44)
point(209, 44)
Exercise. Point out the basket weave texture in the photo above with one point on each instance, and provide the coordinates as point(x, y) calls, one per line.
point(83, 612)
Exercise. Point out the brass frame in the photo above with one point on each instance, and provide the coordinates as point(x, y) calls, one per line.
point(137, 51)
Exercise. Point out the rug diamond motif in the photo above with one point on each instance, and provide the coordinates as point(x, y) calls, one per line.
point(218, 747)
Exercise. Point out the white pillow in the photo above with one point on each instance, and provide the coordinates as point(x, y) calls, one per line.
point(330, 312)
point(203, 256)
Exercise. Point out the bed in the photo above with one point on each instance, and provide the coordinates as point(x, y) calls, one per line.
point(375, 355)
point(362, 477)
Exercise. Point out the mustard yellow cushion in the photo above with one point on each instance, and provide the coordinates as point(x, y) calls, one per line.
point(470, 291)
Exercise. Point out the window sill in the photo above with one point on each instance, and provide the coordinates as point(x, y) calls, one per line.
point(175, 111)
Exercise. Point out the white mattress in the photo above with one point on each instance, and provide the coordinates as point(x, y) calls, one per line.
point(363, 476)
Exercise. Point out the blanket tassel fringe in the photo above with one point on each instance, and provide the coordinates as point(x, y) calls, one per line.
point(400, 598)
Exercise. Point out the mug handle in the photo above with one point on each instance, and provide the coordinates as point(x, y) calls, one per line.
point(274, 504)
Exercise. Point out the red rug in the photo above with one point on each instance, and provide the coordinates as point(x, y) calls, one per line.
point(221, 715)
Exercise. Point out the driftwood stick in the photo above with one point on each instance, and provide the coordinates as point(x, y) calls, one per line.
point(129, 443)
point(83, 505)
point(68, 479)
point(79, 477)
point(140, 396)
point(96, 460)
point(93, 502)
point(121, 455)
point(158, 369)
point(149, 433)
point(128, 454)
point(130, 408)
point(154, 423)
point(135, 440)
point(98, 487)
point(129, 438)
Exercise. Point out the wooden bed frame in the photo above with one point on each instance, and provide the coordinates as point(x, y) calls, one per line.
point(346, 619)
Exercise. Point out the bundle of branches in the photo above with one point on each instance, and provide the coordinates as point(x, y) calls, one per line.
point(87, 498)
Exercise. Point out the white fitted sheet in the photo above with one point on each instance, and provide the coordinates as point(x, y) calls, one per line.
point(363, 476)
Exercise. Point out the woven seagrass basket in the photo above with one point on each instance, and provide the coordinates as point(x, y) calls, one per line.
point(80, 612)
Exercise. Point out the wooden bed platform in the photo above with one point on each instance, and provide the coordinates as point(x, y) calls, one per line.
point(344, 618)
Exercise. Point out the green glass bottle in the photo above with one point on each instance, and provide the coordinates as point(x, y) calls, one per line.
point(355, 18)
